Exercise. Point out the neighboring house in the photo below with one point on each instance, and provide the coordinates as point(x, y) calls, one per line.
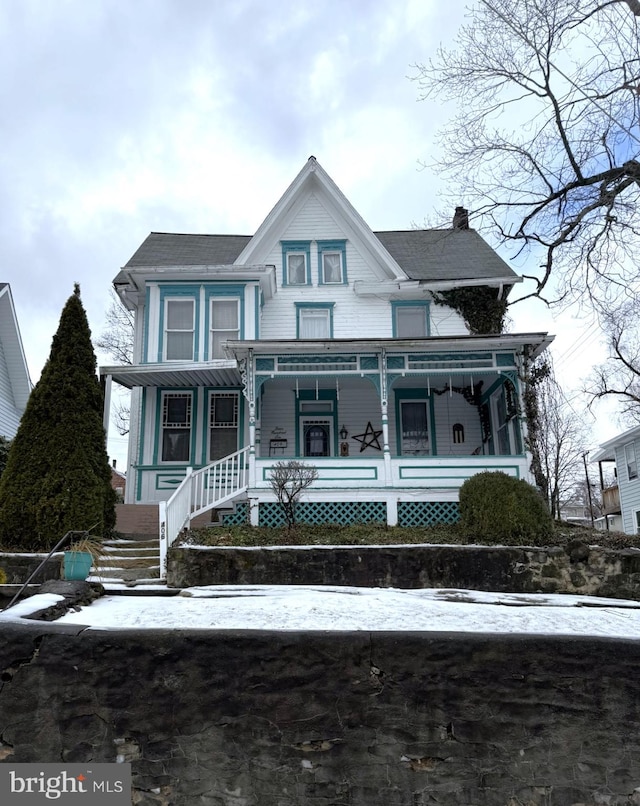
point(317, 339)
point(15, 384)
point(118, 481)
point(621, 500)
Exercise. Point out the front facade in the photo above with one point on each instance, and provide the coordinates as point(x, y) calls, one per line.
point(15, 384)
point(621, 499)
point(319, 340)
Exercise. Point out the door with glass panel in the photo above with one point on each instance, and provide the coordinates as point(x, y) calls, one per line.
point(414, 428)
point(223, 425)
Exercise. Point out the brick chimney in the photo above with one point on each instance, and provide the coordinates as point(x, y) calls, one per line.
point(461, 218)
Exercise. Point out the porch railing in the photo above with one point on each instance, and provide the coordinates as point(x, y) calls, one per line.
point(200, 491)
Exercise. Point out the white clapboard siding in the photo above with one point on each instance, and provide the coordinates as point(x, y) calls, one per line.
point(9, 417)
point(629, 489)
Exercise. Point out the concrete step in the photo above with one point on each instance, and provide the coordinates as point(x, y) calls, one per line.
point(130, 557)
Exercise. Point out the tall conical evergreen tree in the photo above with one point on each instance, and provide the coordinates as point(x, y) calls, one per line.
point(57, 475)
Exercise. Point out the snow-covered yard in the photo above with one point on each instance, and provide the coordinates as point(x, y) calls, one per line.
point(346, 608)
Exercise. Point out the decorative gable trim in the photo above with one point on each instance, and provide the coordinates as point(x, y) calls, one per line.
point(312, 174)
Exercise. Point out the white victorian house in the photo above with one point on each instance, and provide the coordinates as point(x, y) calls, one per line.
point(320, 340)
point(15, 384)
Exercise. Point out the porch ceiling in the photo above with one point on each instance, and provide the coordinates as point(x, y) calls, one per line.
point(210, 373)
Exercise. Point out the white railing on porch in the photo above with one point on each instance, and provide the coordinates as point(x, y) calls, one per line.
point(200, 491)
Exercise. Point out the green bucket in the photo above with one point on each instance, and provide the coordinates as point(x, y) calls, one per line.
point(77, 564)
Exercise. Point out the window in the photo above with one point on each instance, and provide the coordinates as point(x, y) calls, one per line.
point(224, 324)
point(296, 268)
point(410, 320)
point(316, 437)
point(223, 425)
point(631, 461)
point(332, 263)
point(176, 426)
point(179, 329)
point(295, 262)
point(314, 321)
point(414, 425)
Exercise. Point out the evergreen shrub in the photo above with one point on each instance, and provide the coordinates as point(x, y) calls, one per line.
point(497, 509)
point(57, 477)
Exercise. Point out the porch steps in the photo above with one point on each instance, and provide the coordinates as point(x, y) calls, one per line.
point(130, 558)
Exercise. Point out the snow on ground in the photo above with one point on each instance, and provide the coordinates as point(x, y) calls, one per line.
point(296, 607)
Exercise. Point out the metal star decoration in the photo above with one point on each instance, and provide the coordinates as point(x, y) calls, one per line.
point(369, 439)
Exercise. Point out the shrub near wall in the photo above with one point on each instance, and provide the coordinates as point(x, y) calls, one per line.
point(497, 509)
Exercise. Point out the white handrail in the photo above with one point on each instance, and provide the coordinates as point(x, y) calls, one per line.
point(200, 491)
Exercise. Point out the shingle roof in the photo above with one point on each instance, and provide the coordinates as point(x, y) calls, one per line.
point(436, 254)
point(175, 249)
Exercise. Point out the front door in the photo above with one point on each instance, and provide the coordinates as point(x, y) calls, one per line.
point(316, 437)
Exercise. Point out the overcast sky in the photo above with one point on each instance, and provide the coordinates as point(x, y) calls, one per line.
point(119, 118)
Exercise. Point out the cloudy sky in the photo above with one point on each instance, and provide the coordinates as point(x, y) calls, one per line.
point(119, 118)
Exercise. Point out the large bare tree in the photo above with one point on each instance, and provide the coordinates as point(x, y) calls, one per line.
point(545, 145)
point(116, 340)
point(557, 437)
point(619, 377)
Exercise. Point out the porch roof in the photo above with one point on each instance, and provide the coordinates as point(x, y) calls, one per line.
point(184, 373)
point(536, 343)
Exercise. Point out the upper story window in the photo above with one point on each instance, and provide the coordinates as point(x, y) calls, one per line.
point(631, 461)
point(179, 329)
point(296, 268)
point(332, 263)
point(410, 320)
point(176, 426)
point(224, 324)
point(314, 320)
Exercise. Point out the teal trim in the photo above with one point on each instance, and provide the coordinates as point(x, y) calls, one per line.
point(158, 424)
point(265, 364)
point(298, 247)
point(322, 306)
point(505, 360)
point(410, 472)
point(305, 395)
point(143, 418)
point(222, 291)
point(168, 292)
point(395, 362)
point(169, 481)
point(145, 349)
point(371, 472)
point(369, 362)
point(413, 394)
point(332, 246)
point(399, 304)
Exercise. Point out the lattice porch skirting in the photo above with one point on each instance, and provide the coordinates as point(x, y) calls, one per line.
point(345, 513)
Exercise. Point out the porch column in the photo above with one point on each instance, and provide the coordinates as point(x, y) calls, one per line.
point(384, 406)
point(250, 393)
point(107, 383)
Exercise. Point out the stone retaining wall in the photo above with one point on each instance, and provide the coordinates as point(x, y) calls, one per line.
point(577, 569)
point(19, 566)
point(342, 719)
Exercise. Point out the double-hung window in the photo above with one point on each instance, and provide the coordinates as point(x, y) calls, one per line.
point(631, 461)
point(314, 321)
point(179, 329)
point(176, 426)
point(295, 262)
point(225, 324)
point(410, 320)
point(332, 263)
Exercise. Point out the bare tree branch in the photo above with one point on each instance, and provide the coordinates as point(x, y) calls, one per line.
point(545, 147)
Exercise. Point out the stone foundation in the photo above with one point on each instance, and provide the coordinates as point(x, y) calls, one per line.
point(577, 569)
point(339, 719)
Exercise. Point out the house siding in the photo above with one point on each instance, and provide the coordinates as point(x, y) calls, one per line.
point(9, 417)
point(629, 489)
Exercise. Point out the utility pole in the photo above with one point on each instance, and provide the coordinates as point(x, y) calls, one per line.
point(586, 474)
